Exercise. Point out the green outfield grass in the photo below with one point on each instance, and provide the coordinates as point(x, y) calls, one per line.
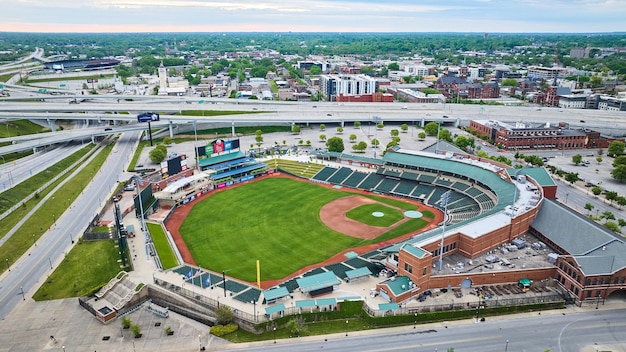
point(162, 245)
point(275, 221)
point(364, 215)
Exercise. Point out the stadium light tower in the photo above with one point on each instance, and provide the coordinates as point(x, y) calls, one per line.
point(443, 202)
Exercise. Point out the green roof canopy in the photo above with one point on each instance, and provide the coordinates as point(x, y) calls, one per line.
point(357, 273)
point(275, 308)
point(274, 294)
point(316, 282)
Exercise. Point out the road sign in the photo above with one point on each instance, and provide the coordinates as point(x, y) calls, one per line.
point(1, 86)
point(62, 85)
point(201, 101)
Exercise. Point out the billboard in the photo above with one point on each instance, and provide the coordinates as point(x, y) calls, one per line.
point(220, 145)
point(174, 166)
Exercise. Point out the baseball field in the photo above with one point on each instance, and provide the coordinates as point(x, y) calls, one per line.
point(289, 224)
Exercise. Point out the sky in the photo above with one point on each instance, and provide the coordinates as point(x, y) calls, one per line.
point(502, 16)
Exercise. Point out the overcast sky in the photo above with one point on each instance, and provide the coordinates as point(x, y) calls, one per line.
point(560, 16)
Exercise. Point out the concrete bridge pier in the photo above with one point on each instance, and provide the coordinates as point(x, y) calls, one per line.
point(52, 125)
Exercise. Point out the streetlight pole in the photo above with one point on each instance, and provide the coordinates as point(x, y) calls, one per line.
point(200, 341)
point(254, 303)
point(274, 334)
point(506, 346)
point(224, 281)
point(346, 328)
point(50, 261)
point(23, 296)
point(415, 321)
point(8, 266)
point(597, 301)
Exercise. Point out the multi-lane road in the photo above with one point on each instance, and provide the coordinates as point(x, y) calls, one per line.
point(33, 267)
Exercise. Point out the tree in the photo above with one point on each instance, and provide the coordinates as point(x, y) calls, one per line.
point(295, 129)
point(375, 142)
point(126, 322)
point(380, 126)
point(577, 159)
point(445, 135)
point(432, 128)
point(361, 146)
point(357, 124)
point(335, 144)
point(607, 215)
point(615, 148)
point(393, 66)
point(571, 177)
point(619, 173)
point(258, 139)
point(610, 196)
point(394, 132)
point(509, 82)
point(620, 160)
point(167, 141)
point(322, 127)
point(621, 201)
point(596, 190)
point(621, 222)
point(404, 127)
point(339, 129)
point(463, 142)
point(315, 70)
point(353, 138)
point(421, 135)
point(224, 315)
point(158, 154)
point(136, 329)
point(322, 137)
point(589, 208)
point(612, 226)
point(599, 160)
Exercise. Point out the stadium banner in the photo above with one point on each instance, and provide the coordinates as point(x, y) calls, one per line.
point(220, 145)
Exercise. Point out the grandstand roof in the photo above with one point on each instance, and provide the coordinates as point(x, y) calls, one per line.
point(206, 162)
point(276, 293)
point(357, 273)
point(319, 281)
point(443, 146)
point(181, 182)
point(504, 190)
point(238, 171)
point(353, 157)
point(538, 174)
point(275, 309)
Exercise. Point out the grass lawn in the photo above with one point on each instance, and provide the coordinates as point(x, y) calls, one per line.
point(364, 212)
point(275, 220)
point(86, 268)
point(166, 254)
point(45, 216)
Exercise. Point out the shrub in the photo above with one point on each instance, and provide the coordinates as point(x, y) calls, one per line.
point(126, 322)
point(221, 330)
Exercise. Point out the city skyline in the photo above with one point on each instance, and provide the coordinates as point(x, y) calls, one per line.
point(496, 16)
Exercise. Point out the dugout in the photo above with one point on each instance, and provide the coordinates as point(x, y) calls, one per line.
point(273, 295)
point(319, 284)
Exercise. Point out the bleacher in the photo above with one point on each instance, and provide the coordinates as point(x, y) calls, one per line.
point(290, 285)
point(410, 175)
point(324, 173)
point(474, 192)
point(387, 185)
point(306, 170)
point(405, 188)
point(422, 191)
point(427, 178)
point(443, 182)
point(460, 186)
point(340, 175)
point(314, 272)
point(338, 269)
point(233, 286)
point(371, 181)
point(360, 263)
point(249, 295)
point(435, 197)
point(355, 179)
point(387, 172)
